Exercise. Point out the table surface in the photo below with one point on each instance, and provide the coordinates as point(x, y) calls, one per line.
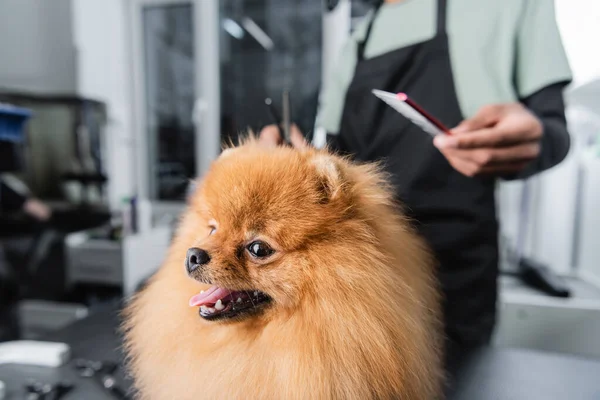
point(494, 373)
point(92, 338)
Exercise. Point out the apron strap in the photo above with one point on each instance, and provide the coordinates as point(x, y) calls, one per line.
point(441, 16)
point(441, 25)
point(361, 45)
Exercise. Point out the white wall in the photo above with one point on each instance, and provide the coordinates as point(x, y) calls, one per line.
point(75, 47)
point(579, 24)
point(101, 38)
point(551, 224)
point(36, 49)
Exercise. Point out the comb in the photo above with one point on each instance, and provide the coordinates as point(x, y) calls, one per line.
point(411, 110)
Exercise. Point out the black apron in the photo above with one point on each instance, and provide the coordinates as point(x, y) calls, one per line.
point(455, 213)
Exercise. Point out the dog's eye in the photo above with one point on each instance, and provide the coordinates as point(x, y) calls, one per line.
point(260, 249)
point(213, 229)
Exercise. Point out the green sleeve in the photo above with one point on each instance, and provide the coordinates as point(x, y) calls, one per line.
point(541, 59)
point(331, 99)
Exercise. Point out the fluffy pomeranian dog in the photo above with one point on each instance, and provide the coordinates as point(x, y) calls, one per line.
point(293, 275)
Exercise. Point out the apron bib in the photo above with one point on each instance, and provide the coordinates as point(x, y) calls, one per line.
point(455, 214)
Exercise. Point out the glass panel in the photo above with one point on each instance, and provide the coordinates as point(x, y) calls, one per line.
point(169, 71)
point(268, 46)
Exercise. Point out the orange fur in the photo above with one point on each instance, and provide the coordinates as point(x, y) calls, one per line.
point(355, 312)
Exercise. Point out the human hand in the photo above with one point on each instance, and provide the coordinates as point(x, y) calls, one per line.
point(37, 209)
point(269, 136)
point(499, 139)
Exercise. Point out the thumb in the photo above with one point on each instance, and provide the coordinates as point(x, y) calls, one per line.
point(484, 118)
point(297, 138)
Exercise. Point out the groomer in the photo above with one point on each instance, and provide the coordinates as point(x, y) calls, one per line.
point(493, 70)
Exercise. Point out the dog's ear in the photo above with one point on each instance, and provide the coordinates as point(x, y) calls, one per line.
point(329, 177)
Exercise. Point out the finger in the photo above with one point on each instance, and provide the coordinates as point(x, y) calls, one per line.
point(269, 136)
point(494, 156)
point(489, 137)
point(464, 166)
point(486, 137)
point(269, 131)
point(471, 169)
point(497, 136)
point(297, 138)
point(485, 117)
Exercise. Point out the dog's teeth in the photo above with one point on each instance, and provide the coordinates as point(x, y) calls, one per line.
point(203, 308)
point(219, 306)
point(210, 310)
point(239, 300)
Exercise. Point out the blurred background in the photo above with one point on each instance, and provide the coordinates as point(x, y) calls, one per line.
point(115, 105)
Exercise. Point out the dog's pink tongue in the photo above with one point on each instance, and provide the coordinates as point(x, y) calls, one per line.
point(210, 296)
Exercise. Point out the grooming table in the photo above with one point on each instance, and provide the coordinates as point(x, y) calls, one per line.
point(494, 373)
point(91, 338)
point(515, 374)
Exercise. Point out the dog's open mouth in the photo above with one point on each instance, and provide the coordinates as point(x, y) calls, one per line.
point(219, 303)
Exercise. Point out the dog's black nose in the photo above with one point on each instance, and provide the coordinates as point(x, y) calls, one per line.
point(196, 258)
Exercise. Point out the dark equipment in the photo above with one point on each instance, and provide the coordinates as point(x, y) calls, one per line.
point(103, 373)
point(45, 391)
